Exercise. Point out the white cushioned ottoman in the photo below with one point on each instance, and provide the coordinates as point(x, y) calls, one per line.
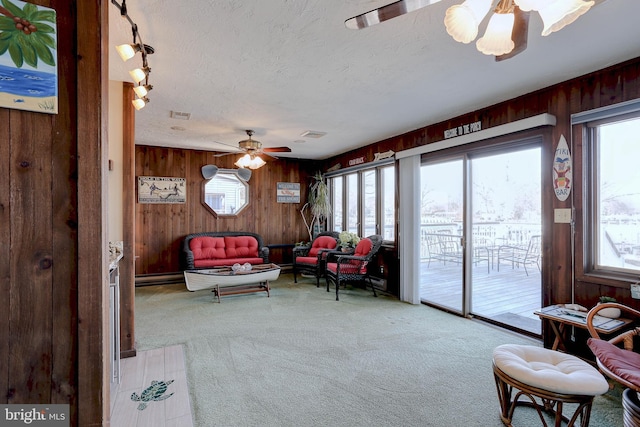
point(551, 376)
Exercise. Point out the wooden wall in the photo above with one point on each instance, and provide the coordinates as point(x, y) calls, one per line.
point(52, 258)
point(160, 228)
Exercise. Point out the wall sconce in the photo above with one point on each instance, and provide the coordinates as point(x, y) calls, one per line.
point(128, 51)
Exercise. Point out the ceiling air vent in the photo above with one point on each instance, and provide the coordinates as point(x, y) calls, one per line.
point(180, 115)
point(312, 134)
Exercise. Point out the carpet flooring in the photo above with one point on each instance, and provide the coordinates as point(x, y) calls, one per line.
point(300, 358)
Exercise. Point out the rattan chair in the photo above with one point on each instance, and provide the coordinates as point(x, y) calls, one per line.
point(310, 259)
point(342, 268)
point(618, 359)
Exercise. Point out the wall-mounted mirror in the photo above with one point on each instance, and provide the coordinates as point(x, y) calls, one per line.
point(226, 193)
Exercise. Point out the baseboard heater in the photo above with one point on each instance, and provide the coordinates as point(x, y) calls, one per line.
point(159, 279)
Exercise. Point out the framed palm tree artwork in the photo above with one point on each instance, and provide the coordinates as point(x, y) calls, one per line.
point(28, 56)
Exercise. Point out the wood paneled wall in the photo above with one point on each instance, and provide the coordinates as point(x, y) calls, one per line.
point(52, 258)
point(160, 228)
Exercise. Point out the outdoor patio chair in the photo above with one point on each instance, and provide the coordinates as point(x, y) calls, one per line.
point(341, 268)
point(310, 259)
point(618, 359)
point(521, 255)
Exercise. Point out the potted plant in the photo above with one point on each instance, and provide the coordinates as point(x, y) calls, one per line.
point(348, 240)
point(318, 207)
point(610, 312)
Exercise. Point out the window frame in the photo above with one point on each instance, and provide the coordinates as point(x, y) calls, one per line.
point(359, 173)
point(584, 127)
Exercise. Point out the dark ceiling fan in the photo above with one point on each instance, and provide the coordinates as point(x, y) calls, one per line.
point(402, 7)
point(253, 148)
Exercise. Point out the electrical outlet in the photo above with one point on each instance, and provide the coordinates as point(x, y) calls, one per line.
point(635, 290)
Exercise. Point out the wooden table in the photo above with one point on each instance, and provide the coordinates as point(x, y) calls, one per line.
point(225, 281)
point(560, 317)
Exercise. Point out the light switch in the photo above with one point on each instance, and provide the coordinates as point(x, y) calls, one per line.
point(562, 216)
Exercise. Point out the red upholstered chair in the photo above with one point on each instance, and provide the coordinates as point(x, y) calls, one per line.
point(619, 360)
point(310, 259)
point(353, 268)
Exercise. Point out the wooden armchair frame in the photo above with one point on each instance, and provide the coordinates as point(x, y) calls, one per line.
point(625, 338)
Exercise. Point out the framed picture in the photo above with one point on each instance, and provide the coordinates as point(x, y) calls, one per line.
point(28, 62)
point(288, 192)
point(155, 189)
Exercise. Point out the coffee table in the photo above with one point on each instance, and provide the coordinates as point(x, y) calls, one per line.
point(225, 281)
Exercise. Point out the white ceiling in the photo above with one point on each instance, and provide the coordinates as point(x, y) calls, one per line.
point(282, 67)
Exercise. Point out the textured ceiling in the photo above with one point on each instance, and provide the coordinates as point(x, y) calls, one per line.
point(283, 67)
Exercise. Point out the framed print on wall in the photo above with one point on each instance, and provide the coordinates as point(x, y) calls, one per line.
point(28, 56)
point(156, 189)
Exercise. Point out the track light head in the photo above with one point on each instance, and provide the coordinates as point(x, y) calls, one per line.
point(140, 103)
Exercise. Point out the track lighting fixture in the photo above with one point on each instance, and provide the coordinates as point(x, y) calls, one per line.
point(139, 103)
point(128, 51)
point(142, 90)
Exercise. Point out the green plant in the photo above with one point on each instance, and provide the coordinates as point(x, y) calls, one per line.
point(604, 299)
point(318, 205)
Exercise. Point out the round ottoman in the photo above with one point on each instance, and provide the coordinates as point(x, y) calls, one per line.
point(548, 379)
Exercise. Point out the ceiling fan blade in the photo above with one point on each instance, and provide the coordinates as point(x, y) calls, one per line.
point(385, 13)
point(519, 35)
point(276, 150)
point(228, 154)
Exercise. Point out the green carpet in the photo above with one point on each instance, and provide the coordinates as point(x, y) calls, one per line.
point(299, 358)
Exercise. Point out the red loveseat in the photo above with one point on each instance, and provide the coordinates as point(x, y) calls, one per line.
point(222, 248)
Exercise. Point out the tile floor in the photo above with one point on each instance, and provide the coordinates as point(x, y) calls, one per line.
point(137, 401)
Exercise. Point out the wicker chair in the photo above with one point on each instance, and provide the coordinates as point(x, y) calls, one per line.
point(310, 259)
point(621, 364)
point(352, 268)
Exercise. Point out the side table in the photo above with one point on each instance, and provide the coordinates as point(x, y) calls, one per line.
point(560, 317)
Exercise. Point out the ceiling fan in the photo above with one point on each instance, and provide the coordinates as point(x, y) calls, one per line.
point(253, 148)
point(402, 7)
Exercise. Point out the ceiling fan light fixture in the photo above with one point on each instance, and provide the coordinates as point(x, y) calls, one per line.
point(497, 39)
point(139, 103)
point(250, 162)
point(560, 13)
point(462, 21)
point(529, 5)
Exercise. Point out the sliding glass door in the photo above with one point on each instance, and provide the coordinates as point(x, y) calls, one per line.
point(481, 235)
point(441, 216)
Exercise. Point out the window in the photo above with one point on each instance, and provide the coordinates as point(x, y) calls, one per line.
point(612, 232)
point(363, 201)
point(226, 193)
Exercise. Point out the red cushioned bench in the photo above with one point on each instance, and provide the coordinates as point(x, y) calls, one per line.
point(222, 248)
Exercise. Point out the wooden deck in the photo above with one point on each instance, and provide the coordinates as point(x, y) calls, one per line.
point(508, 296)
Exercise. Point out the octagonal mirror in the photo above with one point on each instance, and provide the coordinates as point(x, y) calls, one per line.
point(225, 193)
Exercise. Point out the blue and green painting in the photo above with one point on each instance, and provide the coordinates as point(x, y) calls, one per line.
point(28, 56)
